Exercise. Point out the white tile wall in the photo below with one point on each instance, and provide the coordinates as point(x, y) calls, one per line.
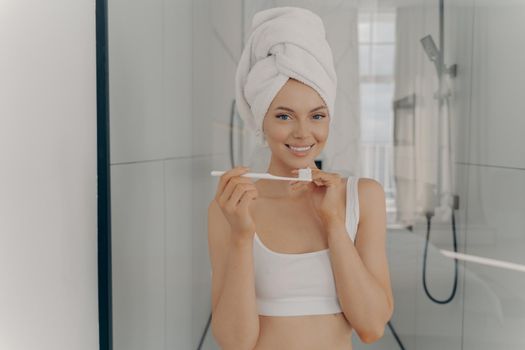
point(150, 79)
point(151, 118)
point(138, 256)
point(179, 233)
point(201, 77)
point(215, 57)
point(498, 77)
point(177, 78)
point(219, 106)
point(135, 74)
point(226, 18)
point(495, 306)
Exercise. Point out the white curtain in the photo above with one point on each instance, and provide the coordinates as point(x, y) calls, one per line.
point(423, 181)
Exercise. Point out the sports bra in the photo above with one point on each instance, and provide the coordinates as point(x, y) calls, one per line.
point(300, 284)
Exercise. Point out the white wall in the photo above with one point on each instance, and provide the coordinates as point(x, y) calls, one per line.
point(48, 175)
point(159, 301)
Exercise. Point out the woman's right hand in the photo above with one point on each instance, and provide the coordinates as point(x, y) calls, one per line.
point(234, 196)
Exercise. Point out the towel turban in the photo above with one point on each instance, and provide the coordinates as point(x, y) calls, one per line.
point(285, 42)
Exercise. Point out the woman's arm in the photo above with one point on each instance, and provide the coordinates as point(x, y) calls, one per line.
point(361, 271)
point(235, 320)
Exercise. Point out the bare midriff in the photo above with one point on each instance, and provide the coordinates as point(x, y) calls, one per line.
point(310, 332)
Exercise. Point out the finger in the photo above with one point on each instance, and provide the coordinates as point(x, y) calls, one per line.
point(318, 182)
point(333, 180)
point(298, 185)
point(228, 177)
point(231, 203)
point(325, 179)
point(240, 189)
point(247, 199)
point(318, 178)
point(225, 178)
point(230, 187)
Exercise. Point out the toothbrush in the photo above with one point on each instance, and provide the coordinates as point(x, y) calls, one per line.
point(304, 175)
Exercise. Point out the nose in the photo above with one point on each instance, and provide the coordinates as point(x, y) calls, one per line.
point(301, 129)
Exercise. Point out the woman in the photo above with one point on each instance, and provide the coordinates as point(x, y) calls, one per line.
point(286, 273)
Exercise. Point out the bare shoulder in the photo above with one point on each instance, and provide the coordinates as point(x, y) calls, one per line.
point(367, 184)
point(371, 196)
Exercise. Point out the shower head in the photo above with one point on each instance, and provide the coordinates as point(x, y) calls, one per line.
point(434, 54)
point(430, 48)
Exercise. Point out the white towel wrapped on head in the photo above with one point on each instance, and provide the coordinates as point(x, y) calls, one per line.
point(285, 42)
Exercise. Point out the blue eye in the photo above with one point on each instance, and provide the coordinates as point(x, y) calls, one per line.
point(286, 116)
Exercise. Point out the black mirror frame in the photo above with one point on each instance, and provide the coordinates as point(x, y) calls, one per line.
point(105, 316)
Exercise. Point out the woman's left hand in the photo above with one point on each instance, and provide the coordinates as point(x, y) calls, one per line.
point(328, 195)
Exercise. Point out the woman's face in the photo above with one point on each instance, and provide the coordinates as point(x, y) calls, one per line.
point(296, 125)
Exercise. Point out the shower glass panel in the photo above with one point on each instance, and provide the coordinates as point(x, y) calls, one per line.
point(429, 104)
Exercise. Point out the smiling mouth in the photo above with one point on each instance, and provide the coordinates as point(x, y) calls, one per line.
point(302, 149)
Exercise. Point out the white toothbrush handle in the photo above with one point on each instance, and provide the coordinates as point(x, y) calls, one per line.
point(250, 175)
point(261, 176)
point(273, 177)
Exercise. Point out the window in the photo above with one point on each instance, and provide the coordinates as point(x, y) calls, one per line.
point(376, 31)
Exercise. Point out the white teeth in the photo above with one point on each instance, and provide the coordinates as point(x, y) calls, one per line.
point(300, 149)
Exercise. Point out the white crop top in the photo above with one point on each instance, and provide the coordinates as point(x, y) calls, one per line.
point(300, 284)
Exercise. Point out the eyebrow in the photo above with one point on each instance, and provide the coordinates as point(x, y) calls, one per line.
point(291, 110)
